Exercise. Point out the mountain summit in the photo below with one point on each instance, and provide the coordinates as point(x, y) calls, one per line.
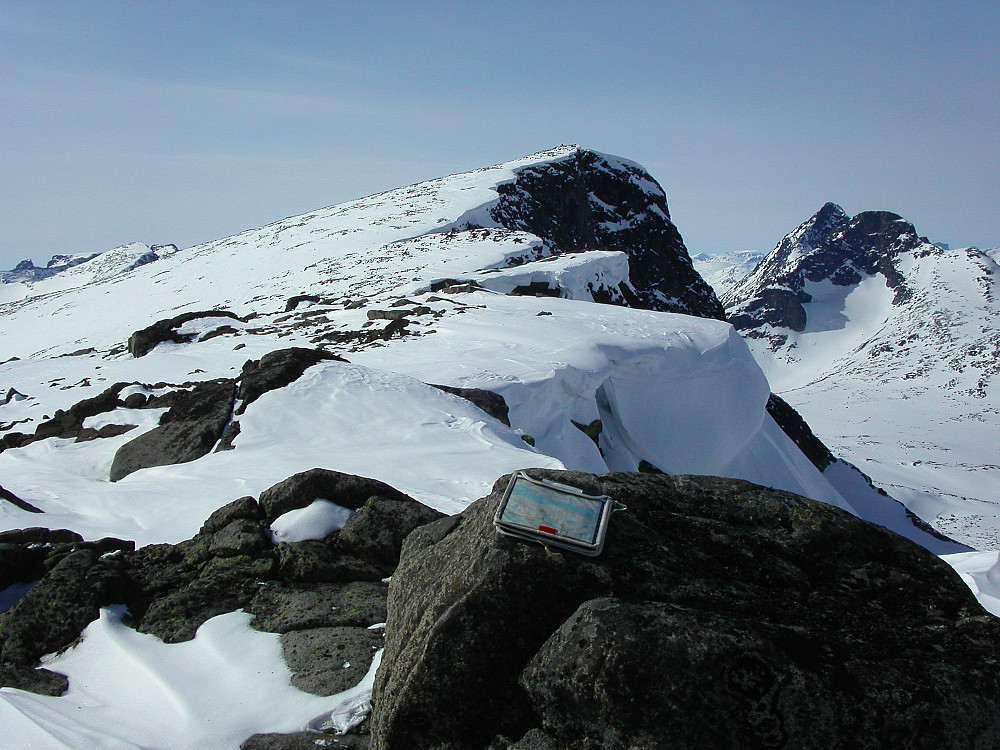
point(889, 347)
point(829, 247)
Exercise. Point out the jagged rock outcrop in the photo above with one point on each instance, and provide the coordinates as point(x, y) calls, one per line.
point(793, 425)
point(172, 589)
point(720, 614)
point(10, 497)
point(346, 490)
point(190, 429)
point(830, 246)
point(76, 579)
point(144, 341)
point(591, 201)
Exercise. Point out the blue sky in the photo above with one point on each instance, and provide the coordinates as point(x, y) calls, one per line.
point(184, 122)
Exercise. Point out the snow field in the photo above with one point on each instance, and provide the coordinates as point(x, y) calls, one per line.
point(131, 691)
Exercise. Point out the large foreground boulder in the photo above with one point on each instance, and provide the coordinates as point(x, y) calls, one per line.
point(720, 614)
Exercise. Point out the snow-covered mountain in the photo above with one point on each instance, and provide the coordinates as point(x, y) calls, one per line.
point(725, 270)
point(70, 271)
point(890, 347)
point(540, 313)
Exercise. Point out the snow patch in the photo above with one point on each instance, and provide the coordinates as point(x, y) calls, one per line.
point(316, 521)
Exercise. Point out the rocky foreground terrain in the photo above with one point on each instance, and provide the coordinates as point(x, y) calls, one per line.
point(721, 614)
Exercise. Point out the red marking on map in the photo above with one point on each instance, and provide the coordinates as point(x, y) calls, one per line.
point(547, 529)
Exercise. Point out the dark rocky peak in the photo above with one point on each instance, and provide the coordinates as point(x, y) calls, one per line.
point(591, 201)
point(830, 246)
point(822, 222)
point(25, 271)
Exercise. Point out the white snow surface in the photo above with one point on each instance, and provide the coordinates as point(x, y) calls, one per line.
point(681, 393)
point(724, 270)
point(131, 691)
point(316, 521)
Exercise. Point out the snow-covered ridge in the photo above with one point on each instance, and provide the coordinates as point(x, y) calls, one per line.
point(413, 235)
point(70, 272)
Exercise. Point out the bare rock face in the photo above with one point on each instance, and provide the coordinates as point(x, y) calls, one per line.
point(346, 490)
point(276, 370)
point(189, 430)
point(829, 246)
point(720, 614)
point(53, 612)
point(323, 596)
point(590, 201)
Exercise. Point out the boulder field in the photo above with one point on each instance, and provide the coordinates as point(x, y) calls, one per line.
point(720, 614)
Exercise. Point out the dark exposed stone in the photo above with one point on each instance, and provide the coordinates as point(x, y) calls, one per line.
point(74, 589)
point(795, 427)
point(39, 535)
point(276, 370)
point(239, 537)
point(490, 402)
point(376, 532)
point(221, 331)
point(535, 289)
point(387, 314)
point(346, 490)
point(135, 400)
point(188, 431)
point(12, 394)
point(144, 341)
point(315, 561)
point(230, 434)
point(304, 741)
point(588, 202)
point(243, 508)
point(720, 614)
point(197, 593)
point(17, 502)
point(284, 607)
point(67, 424)
point(455, 286)
point(298, 299)
point(592, 430)
point(327, 661)
point(108, 430)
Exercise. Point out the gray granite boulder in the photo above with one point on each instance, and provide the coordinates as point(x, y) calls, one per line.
point(720, 614)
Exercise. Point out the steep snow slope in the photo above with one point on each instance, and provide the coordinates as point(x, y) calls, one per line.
point(725, 270)
point(889, 346)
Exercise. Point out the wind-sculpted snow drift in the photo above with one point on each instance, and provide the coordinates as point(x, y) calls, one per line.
point(359, 339)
